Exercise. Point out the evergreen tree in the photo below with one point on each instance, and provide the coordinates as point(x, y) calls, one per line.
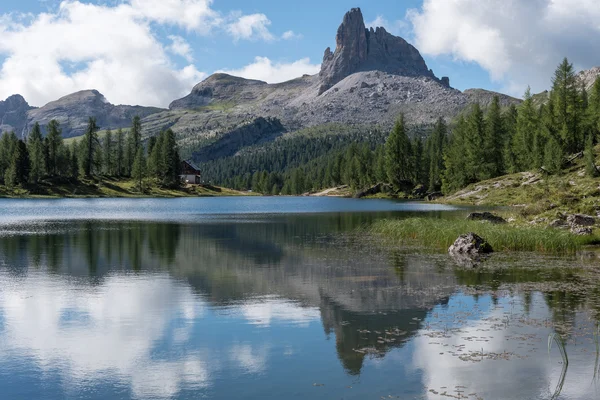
point(567, 102)
point(108, 153)
point(19, 167)
point(89, 149)
point(474, 141)
point(397, 151)
point(455, 176)
point(594, 110)
point(36, 150)
point(590, 157)
point(509, 119)
point(553, 156)
point(139, 169)
point(55, 147)
point(136, 133)
point(527, 125)
point(8, 143)
point(436, 147)
point(119, 153)
point(493, 142)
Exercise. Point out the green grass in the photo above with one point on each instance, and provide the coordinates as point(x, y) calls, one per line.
point(441, 233)
point(111, 188)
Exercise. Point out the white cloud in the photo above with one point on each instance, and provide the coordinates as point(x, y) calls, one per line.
point(265, 70)
point(519, 42)
point(291, 35)
point(112, 48)
point(397, 27)
point(181, 47)
point(251, 27)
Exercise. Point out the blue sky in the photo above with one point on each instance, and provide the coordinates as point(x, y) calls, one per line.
point(153, 51)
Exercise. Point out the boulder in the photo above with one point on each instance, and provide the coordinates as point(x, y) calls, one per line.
point(486, 216)
point(559, 223)
point(581, 230)
point(471, 245)
point(581, 220)
point(434, 196)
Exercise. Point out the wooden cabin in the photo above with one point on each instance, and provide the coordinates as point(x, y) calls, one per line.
point(190, 173)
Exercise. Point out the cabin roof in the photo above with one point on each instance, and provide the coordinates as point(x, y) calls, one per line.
point(192, 165)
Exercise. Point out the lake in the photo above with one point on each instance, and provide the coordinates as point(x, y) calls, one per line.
point(279, 298)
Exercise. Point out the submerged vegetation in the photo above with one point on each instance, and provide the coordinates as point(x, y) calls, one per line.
point(441, 233)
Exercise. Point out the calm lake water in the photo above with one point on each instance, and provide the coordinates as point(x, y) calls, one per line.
point(278, 298)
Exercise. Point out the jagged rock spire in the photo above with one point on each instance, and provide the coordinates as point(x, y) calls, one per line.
point(361, 49)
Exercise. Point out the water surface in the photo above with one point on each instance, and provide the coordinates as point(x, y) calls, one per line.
point(270, 298)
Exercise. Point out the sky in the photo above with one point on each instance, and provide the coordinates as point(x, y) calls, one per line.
point(151, 52)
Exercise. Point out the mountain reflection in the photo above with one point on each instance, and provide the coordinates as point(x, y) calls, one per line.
point(163, 309)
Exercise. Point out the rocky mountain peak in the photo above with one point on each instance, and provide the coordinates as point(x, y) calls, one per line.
point(13, 113)
point(360, 49)
point(588, 77)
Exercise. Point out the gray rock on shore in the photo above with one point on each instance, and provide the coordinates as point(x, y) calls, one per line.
point(470, 244)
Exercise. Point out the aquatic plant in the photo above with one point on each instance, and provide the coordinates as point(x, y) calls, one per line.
point(441, 233)
point(560, 343)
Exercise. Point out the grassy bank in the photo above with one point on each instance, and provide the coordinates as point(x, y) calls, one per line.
point(110, 188)
point(441, 233)
point(536, 194)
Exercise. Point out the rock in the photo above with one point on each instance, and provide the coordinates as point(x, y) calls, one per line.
point(559, 223)
point(419, 192)
point(434, 196)
point(471, 245)
point(379, 188)
point(581, 220)
point(581, 230)
point(361, 49)
point(486, 216)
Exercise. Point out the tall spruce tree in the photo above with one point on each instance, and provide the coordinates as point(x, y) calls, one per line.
point(493, 142)
point(397, 151)
point(108, 153)
point(55, 147)
point(139, 169)
point(35, 144)
point(474, 141)
point(119, 153)
point(89, 149)
point(436, 147)
point(590, 157)
point(567, 103)
point(527, 125)
point(454, 175)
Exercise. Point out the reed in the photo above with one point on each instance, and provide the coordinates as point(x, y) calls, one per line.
point(441, 233)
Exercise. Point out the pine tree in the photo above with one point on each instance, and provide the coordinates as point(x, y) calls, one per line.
point(436, 147)
point(136, 133)
point(454, 175)
point(119, 153)
point(55, 147)
point(397, 151)
point(553, 156)
point(493, 142)
point(527, 125)
point(567, 102)
point(474, 141)
point(35, 144)
point(509, 158)
point(139, 169)
point(590, 157)
point(8, 143)
point(108, 153)
point(89, 149)
point(594, 110)
point(19, 167)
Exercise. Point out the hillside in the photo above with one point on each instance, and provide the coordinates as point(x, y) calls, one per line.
point(535, 195)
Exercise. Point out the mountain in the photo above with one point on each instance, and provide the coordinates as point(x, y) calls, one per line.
point(369, 79)
point(13, 114)
point(74, 110)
